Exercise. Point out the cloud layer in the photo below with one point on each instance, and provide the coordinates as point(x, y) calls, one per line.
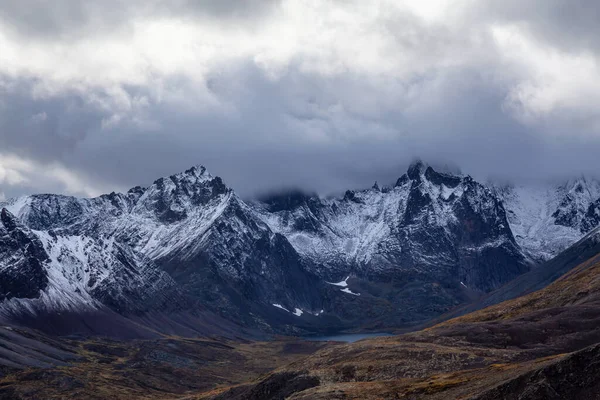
point(324, 95)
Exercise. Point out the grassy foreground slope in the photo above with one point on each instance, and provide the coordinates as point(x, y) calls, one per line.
point(167, 368)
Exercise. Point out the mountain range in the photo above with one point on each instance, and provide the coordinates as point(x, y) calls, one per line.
point(187, 255)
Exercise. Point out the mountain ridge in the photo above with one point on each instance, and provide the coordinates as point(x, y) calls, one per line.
point(408, 252)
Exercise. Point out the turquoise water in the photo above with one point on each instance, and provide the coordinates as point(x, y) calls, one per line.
point(346, 337)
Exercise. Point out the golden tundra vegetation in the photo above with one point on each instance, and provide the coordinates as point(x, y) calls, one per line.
point(539, 346)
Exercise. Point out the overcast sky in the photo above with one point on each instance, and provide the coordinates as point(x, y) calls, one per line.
point(97, 96)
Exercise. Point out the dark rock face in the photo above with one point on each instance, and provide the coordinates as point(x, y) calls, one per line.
point(22, 255)
point(536, 279)
point(441, 179)
point(294, 200)
point(50, 211)
point(136, 285)
point(592, 217)
point(463, 233)
point(169, 196)
point(567, 214)
point(415, 170)
point(487, 252)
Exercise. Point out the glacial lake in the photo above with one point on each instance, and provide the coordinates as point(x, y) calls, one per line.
point(346, 337)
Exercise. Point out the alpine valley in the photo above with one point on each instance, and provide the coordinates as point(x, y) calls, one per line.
point(187, 268)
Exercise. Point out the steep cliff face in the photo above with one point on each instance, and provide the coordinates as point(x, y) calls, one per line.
point(22, 260)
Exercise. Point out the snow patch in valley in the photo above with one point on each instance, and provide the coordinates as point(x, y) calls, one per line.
point(343, 283)
point(346, 290)
point(281, 307)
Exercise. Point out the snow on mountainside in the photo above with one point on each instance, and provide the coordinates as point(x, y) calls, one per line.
point(447, 227)
point(172, 214)
point(75, 273)
point(190, 224)
point(331, 231)
point(548, 218)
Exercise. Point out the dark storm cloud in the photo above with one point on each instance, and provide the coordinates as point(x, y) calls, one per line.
point(43, 128)
point(296, 126)
point(264, 146)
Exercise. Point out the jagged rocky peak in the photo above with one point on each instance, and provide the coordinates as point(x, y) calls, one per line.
point(197, 171)
point(135, 193)
point(427, 184)
point(546, 217)
point(439, 178)
point(194, 176)
point(416, 169)
point(22, 236)
point(172, 198)
point(419, 171)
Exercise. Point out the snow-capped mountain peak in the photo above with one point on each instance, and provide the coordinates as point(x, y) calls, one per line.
point(546, 218)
